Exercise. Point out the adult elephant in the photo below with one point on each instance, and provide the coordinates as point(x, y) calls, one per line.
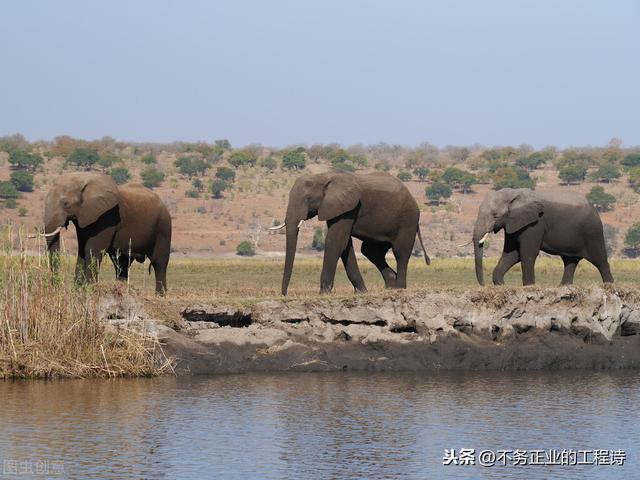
point(376, 208)
point(129, 223)
point(562, 224)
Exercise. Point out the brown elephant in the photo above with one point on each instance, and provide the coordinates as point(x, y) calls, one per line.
point(375, 208)
point(128, 223)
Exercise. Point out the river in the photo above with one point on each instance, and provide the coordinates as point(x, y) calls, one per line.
point(324, 425)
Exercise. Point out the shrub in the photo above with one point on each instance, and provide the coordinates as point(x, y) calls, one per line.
point(245, 249)
point(438, 190)
point(22, 212)
point(606, 173)
point(319, 236)
point(152, 177)
point(294, 159)
point(511, 177)
point(631, 160)
point(457, 178)
point(10, 203)
point(149, 159)
point(8, 190)
point(191, 166)
point(242, 158)
point(421, 173)
point(25, 160)
point(572, 173)
point(197, 185)
point(534, 160)
point(217, 187)
point(601, 200)
point(269, 163)
point(404, 176)
point(120, 175)
point(83, 157)
point(632, 240)
point(192, 194)
point(634, 178)
point(106, 160)
point(226, 174)
point(22, 180)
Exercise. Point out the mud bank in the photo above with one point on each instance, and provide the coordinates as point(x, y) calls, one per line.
point(488, 329)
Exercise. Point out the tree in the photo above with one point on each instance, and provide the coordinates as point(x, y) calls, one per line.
point(319, 236)
point(534, 160)
point(341, 159)
point(241, 158)
point(217, 187)
point(22, 180)
point(269, 163)
point(421, 173)
point(226, 174)
point(149, 159)
point(152, 177)
point(457, 178)
point(25, 160)
point(294, 159)
point(106, 160)
point(8, 190)
point(632, 240)
point(511, 177)
point(120, 175)
point(245, 249)
point(223, 143)
point(572, 173)
point(197, 184)
point(436, 191)
point(83, 157)
point(191, 166)
point(601, 200)
point(606, 173)
point(404, 176)
point(631, 160)
point(460, 154)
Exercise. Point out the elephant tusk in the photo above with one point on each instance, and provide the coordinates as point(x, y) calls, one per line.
point(300, 223)
point(55, 232)
point(278, 227)
point(465, 244)
point(483, 239)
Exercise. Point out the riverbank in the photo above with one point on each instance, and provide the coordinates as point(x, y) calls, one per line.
point(483, 329)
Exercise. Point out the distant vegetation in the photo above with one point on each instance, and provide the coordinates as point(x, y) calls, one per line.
point(218, 170)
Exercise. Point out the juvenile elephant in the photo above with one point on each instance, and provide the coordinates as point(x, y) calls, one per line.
point(562, 224)
point(376, 208)
point(129, 223)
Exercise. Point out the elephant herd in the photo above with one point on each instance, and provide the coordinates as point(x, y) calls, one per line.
point(131, 223)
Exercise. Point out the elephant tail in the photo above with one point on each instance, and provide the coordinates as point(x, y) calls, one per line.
point(426, 255)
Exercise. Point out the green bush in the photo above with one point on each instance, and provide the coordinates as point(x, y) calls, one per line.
point(22, 212)
point(22, 180)
point(511, 177)
point(149, 159)
point(319, 236)
point(245, 249)
point(572, 173)
point(8, 190)
point(600, 200)
point(632, 238)
point(217, 187)
point(191, 166)
point(631, 160)
point(192, 194)
point(421, 173)
point(269, 163)
point(226, 174)
point(25, 160)
point(243, 158)
point(106, 160)
point(294, 159)
point(457, 178)
point(152, 177)
point(120, 175)
point(10, 203)
point(606, 173)
point(83, 157)
point(437, 191)
point(404, 176)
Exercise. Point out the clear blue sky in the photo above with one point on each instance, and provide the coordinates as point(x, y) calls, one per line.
point(284, 72)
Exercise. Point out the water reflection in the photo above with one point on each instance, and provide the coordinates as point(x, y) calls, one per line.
point(343, 425)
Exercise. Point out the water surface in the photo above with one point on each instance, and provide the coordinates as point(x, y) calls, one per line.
point(343, 425)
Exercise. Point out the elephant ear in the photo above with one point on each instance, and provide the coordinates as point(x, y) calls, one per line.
point(342, 194)
point(524, 209)
point(99, 195)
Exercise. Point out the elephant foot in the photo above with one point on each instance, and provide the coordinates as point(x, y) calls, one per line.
point(361, 289)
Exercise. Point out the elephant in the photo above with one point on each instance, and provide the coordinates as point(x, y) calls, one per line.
point(558, 223)
point(375, 208)
point(129, 223)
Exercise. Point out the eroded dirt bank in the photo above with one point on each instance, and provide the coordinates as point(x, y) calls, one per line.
point(488, 329)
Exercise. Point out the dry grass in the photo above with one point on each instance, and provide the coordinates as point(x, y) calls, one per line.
point(51, 328)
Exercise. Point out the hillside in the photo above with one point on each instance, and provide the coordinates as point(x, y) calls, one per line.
point(212, 227)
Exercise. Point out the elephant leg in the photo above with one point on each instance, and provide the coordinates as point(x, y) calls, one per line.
point(508, 259)
point(159, 261)
point(530, 242)
point(376, 253)
point(570, 264)
point(121, 264)
point(351, 266)
point(338, 236)
point(402, 248)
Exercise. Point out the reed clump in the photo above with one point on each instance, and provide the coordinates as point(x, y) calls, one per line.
point(50, 327)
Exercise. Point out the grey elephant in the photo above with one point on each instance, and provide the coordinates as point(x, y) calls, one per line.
point(557, 223)
point(128, 223)
point(375, 208)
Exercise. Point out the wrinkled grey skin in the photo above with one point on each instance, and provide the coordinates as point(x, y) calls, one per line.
point(128, 223)
point(376, 208)
point(557, 223)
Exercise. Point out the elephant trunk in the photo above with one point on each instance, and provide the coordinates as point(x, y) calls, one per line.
point(480, 232)
point(293, 220)
point(52, 225)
